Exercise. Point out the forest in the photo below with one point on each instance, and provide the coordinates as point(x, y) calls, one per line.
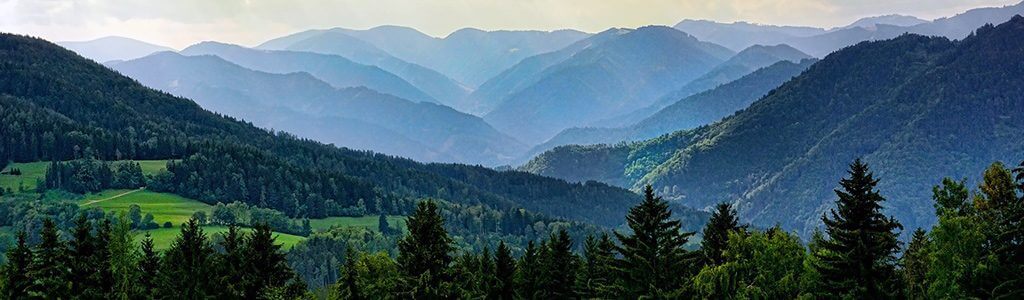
point(974, 251)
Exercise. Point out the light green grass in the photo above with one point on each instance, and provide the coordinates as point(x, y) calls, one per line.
point(368, 222)
point(163, 237)
point(164, 207)
point(30, 173)
point(34, 171)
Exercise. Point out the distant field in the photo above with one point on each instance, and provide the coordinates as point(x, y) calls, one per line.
point(33, 171)
point(163, 237)
point(164, 207)
point(369, 222)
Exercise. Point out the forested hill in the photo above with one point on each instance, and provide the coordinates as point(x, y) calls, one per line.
point(916, 107)
point(56, 105)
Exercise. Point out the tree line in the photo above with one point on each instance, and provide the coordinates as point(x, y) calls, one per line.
point(974, 251)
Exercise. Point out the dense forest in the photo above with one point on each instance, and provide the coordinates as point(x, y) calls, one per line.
point(974, 251)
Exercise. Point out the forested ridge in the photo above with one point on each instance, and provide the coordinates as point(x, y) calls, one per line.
point(913, 106)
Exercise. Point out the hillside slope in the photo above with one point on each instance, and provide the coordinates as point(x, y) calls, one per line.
point(913, 107)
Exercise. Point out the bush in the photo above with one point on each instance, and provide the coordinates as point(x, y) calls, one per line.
point(168, 224)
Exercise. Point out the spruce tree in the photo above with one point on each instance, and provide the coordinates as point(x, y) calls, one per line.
point(716, 233)
point(528, 272)
point(349, 286)
point(485, 278)
point(14, 279)
point(49, 270)
point(1007, 223)
point(558, 267)
point(187, 269)
point(383, 226)
point(596, 276)
point(82, 263)
point(653, 262)
point(123, 260)
point(859, 257)
point(232, 264)
point(266, 266)
point(424, 256)
point(915, 266)
point(101, 277)
point(149, 268)
point(504, 272)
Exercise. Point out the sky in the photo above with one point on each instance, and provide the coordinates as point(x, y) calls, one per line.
point(180, 23)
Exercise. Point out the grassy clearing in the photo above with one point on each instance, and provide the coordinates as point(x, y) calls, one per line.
point(369, 222)
point(164, 207)
point(35, 171)
point(163, 237)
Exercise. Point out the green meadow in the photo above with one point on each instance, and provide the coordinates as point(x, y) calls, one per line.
point(33, 172)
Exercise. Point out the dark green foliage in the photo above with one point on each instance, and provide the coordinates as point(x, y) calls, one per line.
point(232, 264)
point(527, 280)
point(49, 270)
point(15, 281)
point(504, 273)
point(716, 233)
point(558, 267)
point(91, 175)
point(653, 261)
point(858, 258)
point(187, 267)
point(82, 260)
point(915, 266)
point(424, 255)
point(348, 287)
point(597, 275)
point(265, 265)
point(149, 268)
point(383, 226)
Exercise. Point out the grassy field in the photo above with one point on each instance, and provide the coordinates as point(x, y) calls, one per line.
point(31, 172)
point(369, 222)
point(164, 207)
point(163, 237)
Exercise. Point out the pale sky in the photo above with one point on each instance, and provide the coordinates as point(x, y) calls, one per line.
point(180, 23)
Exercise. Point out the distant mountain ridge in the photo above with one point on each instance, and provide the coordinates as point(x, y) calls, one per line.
point(913, 107)
point(113, 48)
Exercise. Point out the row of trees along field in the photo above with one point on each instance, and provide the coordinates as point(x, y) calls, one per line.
point(974, 251)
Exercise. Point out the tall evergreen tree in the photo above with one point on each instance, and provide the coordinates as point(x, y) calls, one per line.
point(528, 273)
point(14, 279)
point(596, 275)
point(1006, 214)
point(187, 269)
point(558, 267)
point(504, 272)
point(716, 233)
point(49, 269)
point(486, 279)
point(349, 286)
point(383, 226)
point(859, 258)
point(82, 263)
point(232, 264)
point(149, 268)
point(266, 266)
point(915, 266)
point(101, 277)
point(424, 256)
point(123, 260)
point(653, 262)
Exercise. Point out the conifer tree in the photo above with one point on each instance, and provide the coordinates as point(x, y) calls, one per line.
point(349, 287)
point(266, 266)
point(504, 271)
point(149, 268)
point(232, 264)
point(558, 267)
point(82, 261)
point(101, 277)
point(596, 274)
point(187, 267)
point(14, 280)
point(49, 270)
point(915, 266)
point(716, 233)
point(653, 262)
point(528, 273)
point(424, 256)
point(859, 257)
point(383, 226)
point(486, 279)
point(123, 260)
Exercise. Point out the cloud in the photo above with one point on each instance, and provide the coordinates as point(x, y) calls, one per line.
point(182, 22)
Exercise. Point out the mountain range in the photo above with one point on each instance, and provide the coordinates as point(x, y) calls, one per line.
point(913, 107)
point(113, 48)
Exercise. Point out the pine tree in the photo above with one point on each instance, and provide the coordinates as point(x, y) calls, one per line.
point(528, 273)
point(187, 269)
point(424, 255)
point(266, 266)
point(859, 257)
point(15, 282)
point(81, 255)
point(123, 260)
point(349, 287)
point(232, 264)
point(49, 270)
point(596, 274)
point(101, 277)
point(716, 233)
point(149, 268)
point(504, 272)
point(915, 266)
point(558, 267)
point(383, 226)
point(485, 275)
point(653, 262)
